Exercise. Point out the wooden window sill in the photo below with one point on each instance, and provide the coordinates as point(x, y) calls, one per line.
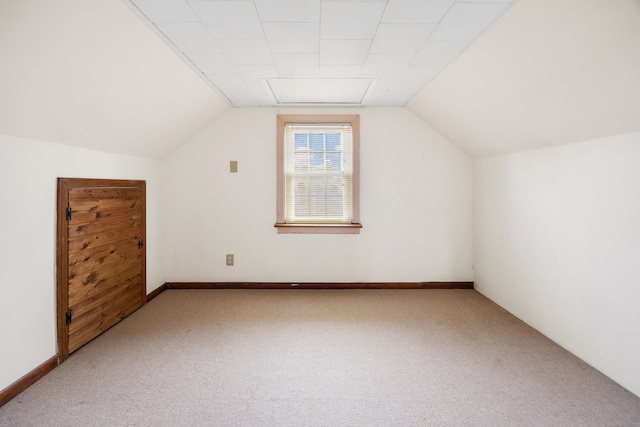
point(318, 228)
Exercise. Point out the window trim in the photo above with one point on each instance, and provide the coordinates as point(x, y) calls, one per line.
point(320, 228)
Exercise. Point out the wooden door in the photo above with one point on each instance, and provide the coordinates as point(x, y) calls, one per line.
point(101, 257)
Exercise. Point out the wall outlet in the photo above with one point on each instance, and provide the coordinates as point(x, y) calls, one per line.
point(229, 259)
point(233, 166)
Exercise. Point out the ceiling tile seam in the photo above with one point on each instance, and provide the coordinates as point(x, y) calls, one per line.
point(195, 14)
point(428, 39)
point(418, 51)
point(360, 64)
point(443, 16)
point(360, 75)
point(271, 52)
point(179, 52)
point(445, 66)
point(415, 53)
point(287, 22)
point(386, 2)
point(227, 57)
point(155, 25)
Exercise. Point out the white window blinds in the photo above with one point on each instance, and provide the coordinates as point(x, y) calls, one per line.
point(318, 167)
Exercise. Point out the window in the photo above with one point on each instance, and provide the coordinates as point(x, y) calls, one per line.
point(318, 174)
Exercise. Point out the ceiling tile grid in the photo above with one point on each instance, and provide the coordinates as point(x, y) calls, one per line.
point(319, 52)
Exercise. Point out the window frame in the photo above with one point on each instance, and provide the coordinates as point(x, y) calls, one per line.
point(318, 228)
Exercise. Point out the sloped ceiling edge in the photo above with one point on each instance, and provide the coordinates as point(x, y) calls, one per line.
point(91, 74)
point(546, 73)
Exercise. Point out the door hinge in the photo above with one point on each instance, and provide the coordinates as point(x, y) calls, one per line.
point(69, 317)
point(69, 213)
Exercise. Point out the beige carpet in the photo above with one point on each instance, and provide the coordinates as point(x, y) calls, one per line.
point(322, 358)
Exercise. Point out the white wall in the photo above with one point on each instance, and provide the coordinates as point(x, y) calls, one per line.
point(415, 206)
point(28, 172)
point(557, 243)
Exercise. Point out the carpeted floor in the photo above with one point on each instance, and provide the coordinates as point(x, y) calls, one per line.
point(322, 358)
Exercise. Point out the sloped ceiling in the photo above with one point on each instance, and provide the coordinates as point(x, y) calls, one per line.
point(547, 72)
point(319, 52)
point(90, 74)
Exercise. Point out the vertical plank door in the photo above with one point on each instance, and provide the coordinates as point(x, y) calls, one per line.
point(102, 258)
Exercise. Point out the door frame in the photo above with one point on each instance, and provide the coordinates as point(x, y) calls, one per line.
point(62, 249)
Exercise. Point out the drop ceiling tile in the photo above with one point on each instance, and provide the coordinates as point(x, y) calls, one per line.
point(291, 65)
point(288, 10)
point(391, 44)
point(166, 10)
point(229, 19)
point(415, 11)
point(242, 98)
point(350, 20)
point(213, 63)
point(375, 97)
point(227, 82)
point(340, 71)
point(466, 21)
point(401, 93)
point(404, 89)
point(249, 73)
point(331, 91)
point(385, 64)
point(382, 82)
point(262, 93)
point(419, 75)
point(385, 82)
point(264, 100)
point(344, 52)
point(293, 37)
point(439, 52)
point(246, 52)
point(188, 37)
point(257, 89)
point(400, 38)
point(393, 99)
point(245, 103)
